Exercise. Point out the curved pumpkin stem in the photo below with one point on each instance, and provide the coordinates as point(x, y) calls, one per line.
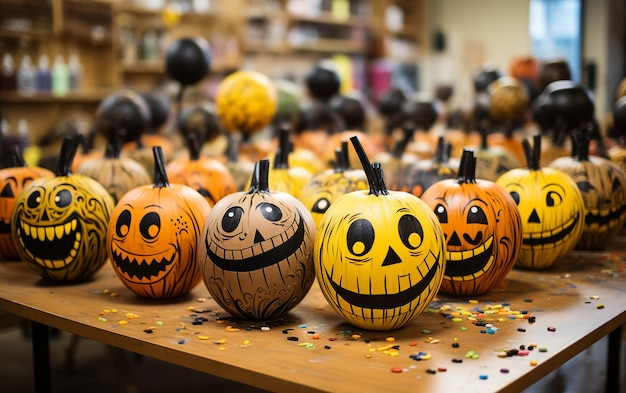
point(160, 176)
point(467, 168)
point(533, 153)
point(17, 158)
point(68, 151)
point(374, 173)
point(260, 177)
point(408, 131)
point(281, 161)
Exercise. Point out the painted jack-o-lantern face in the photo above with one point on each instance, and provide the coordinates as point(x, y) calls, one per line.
point(256, 251)
point(603, 188)
point(13, 181)
point(152, 238)
point(552, 212)
point(59, 226)
point(483, 231)
point(379, 256)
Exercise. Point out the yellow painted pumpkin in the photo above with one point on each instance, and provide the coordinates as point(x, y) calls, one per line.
point(152, 239)
point(256, 251)
point(246, 101)
point(379, 254)
point(59, 223)
point(482, 227)
point(13, 180)
point(602, 184)
point(551, 207)
point(283, 177)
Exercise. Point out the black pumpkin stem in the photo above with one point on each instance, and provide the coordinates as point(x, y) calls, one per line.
point(581, 137)
point(260, 177)
point(439, 151)
point(113, 148)
point(17, 159)
point(375, 180)
point(467, 168)
point(408, 131)
point(160, 176)
point(533, 153)
point(193, 144)
point(281, 161)
point(339, 166)
point(68, 152)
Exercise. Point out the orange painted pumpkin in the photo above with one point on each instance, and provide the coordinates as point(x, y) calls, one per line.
point(256, 251)
point(153, 235)
point(207, 175)
point(59, 222)
point(482, 227)
point(13, 180)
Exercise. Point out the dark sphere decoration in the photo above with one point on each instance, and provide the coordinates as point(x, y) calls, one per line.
point(391, 102)
point(553, 70)
point(159, 105)
point(124, 110)
point(188, 60)
point(350, 110)
point(484, 76)
point(571, 102)
point(200, 119)
point(619, 116)
point(444, 92)
point(543, 113)
point(323, 81)
point(316, 116)
point(421, 112)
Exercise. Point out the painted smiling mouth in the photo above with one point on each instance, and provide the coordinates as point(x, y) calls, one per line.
point(142, 269)
point(604, 218)
point(52, 247)
point(261, 254)
point(552, 236)
point(469, 264)
point(388, 300)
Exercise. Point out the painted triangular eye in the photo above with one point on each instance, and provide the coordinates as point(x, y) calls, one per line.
point(7, 191)
point(360, 237)
point(585, 186)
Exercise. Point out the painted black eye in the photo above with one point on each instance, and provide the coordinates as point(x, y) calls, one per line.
point(320, 206)
point(150, 225)
point(616, 186)
point(360, 237)
point(34, 199)
point(441, 213)
point(411, 231)
point(553, 198)
point(231, 218)
point(515, 197)
point(476, 215)
point(270, 211)
point(585, 186)
point(63, 198)
point(7, 192)
point(122, 225)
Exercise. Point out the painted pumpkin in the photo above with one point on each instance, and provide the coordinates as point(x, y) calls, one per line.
point(602, 184)
point(492, 161)
point(423, 174)
point(256, 251)
point(482, 227)
point(507, 99)
point(59, 223)
point(325, 187)
point(398, 160)
point(379, 254)
point(153, 235)
point(207, 175)
point(551, 207)
point(13, 180)
point(117, 174)
point(283, 177)
point(246, 101)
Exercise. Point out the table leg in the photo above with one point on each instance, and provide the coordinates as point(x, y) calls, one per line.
point(614, 353)
point(41, 357)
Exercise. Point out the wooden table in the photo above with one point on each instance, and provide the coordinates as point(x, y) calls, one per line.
point(574, 304)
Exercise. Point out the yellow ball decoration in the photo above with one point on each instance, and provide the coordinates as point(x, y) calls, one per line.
point(246, 101)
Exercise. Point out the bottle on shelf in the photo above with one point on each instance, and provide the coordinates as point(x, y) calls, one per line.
point(75, 69)
point(60, 76)
point(26, 76)
point(8, 79)
point(44, 78)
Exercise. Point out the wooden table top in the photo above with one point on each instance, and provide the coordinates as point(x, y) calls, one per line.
point(574, 304)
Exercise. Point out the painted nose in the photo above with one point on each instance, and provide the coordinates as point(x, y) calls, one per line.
point(534, 217)
point(454, 240)
point(392, 258)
